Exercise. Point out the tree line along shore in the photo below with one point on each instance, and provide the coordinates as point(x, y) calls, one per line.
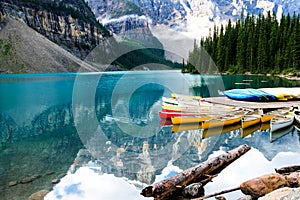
point(258, 45)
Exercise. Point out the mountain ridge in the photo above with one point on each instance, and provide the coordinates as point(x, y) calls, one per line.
point(30, 52)
point(194, 17)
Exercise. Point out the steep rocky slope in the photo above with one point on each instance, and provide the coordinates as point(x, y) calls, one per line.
point(23, 50)
point(69, 23)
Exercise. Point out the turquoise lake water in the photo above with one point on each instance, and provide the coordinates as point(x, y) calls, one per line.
point(48, 120)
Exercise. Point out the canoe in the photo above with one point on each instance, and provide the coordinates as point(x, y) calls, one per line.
point(187, 97)
point(241, 95)
point(221, 121)
point(266, 118)
point(180, 102)
point(250, 94)
point(169, 108)
point(187, 119)
point(265, 96)
point(265, 126)
point(280, 122)
point(188, 104)
point(169, 115)
point(280, 93)
point(250, 120)
point(165, 122)
point(219, 130)
point(249, 130)
point(185, 127)
point(274, 135)
point(170, 101)
point(297, 116)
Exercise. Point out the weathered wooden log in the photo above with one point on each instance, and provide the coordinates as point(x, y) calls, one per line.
point(287, 170)
point(168, 186)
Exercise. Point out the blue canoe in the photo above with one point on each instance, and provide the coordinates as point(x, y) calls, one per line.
point(249, 94)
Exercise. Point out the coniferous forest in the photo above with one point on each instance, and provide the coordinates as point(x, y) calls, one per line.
point(259, 45)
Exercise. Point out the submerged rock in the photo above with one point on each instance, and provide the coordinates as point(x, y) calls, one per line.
point(12, 183)
point(30, 179)
point(55, 181)
point(38, 195)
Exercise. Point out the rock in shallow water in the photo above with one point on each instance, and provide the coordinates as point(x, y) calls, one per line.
point(12, 183)
point(38, 195)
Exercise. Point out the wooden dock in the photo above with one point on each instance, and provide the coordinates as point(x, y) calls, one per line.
point(252, 105)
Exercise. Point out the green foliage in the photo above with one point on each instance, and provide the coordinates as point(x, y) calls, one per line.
point(142, 55)
point(257, 45)
point(5, 47)
point(129, 8)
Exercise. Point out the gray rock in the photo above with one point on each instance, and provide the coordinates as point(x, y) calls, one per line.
point(12, 183)
point(246, 197)
point(27, 180)
point(283, 194)
point(194, 190)
point(55, 181)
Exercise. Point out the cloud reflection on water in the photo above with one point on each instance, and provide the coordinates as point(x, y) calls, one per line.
point(86, 184)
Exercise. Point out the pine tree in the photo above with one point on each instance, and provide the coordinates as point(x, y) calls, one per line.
point(220, 51)
point(262, 47)
point(241, 46)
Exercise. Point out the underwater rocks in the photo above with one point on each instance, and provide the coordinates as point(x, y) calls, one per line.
point(38, 195)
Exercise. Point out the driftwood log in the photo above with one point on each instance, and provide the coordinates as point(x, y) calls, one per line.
point(288, 169)
point(212, 166)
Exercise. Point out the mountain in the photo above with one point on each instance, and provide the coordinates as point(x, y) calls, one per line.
point(194, 17)
point(24, 50)
point(71, 24)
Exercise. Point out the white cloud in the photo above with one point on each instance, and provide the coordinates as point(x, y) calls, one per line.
point(85, 184)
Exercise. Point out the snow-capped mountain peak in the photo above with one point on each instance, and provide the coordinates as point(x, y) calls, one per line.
point(194, 17)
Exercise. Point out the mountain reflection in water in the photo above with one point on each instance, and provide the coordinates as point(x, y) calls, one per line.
point(40, 133)
point(95, 180)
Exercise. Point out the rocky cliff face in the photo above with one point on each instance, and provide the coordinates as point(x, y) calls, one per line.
point(124, 18)
point(70, 23)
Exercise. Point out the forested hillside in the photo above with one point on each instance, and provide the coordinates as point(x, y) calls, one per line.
point(260, 44)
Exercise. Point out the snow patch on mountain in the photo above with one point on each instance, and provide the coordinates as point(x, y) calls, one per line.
point(266, 6)
point(109, 20)
point(192, 17)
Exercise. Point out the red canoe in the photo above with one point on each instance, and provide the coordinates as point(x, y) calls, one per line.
point(169, 115)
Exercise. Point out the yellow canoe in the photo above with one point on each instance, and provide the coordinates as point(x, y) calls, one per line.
point(280, 93)
point(222, 121)
point(250, 120)
point(265, 126)
point(189, 120)
point(266, 118)
point(219, 130)
point(184, 127)
point(247, 131)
